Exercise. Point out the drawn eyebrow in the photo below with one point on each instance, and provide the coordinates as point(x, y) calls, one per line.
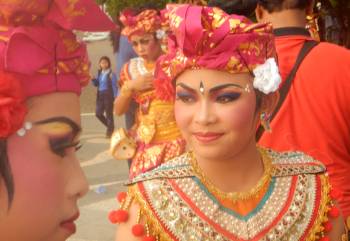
point(216, 88)
point(220, 87)
point(186, 87)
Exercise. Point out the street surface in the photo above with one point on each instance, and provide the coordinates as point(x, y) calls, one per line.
point(105, 175)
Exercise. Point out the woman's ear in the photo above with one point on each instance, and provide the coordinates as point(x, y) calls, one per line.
point(259, 13)
point(269, 102)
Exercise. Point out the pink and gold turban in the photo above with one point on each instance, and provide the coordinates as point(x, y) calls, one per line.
point(148, 21)
point(40, 54)
point(205, 37)
point(38, 46)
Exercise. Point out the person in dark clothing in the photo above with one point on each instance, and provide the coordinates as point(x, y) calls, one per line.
point(239, 7)
point(105, 82)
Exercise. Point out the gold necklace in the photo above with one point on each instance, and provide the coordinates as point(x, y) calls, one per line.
point(149, 66)
point(236, 196)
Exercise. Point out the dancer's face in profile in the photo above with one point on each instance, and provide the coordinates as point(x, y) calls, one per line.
point(215, 111)
point(48, 179)
point(146, 46)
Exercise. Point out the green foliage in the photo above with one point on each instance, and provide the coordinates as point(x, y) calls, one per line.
point(113, 7)
point(334, 3)
point(100, 2)
point(339, 10)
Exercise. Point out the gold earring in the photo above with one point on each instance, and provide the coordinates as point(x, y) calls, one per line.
point(265, 119)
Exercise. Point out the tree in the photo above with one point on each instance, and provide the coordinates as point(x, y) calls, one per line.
point(113, 7)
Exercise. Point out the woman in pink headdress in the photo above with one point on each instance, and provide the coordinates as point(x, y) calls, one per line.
point(157, 136)
point(42, 70)
point(222, 71)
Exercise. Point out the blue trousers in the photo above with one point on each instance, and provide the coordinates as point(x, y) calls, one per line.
point(104, 109)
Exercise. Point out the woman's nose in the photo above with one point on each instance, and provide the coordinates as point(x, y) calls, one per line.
point(78, 184)
point(205, 115)
point(140, 48)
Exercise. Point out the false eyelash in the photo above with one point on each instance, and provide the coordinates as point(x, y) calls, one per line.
point(229, 97)
point(60, 149)
point(78, 146)
point(185, 97)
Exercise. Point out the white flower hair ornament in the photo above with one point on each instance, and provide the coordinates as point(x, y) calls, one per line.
point(267, 77)
point(160, 33)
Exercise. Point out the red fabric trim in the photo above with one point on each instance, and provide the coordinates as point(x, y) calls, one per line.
point(285, 208)
point(316, 209)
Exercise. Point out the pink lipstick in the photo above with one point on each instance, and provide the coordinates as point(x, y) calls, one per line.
point(69, 224)
point(207, 137)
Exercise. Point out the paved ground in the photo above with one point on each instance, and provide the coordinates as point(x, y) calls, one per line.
point(105, 176)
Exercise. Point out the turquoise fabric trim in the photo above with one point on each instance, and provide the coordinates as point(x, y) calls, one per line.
point(233, 213)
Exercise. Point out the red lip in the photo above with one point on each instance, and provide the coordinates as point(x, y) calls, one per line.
point(69, 223)
point(207, 137)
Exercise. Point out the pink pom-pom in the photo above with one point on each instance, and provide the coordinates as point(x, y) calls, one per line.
point(335, 194)
point(121, 196)
point(325, 239)
point(138, 230)
point(119, 216)
point(334, 212)
point(149, 238)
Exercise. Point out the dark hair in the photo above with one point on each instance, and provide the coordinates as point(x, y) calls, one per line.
point(107, 59)
point(259, 98)
point(5, 170)
point(239, 7)
point(146, 6)
point(279, 5)
point(149, 5)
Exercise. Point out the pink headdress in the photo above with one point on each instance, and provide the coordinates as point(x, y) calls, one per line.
point(82, 15)
point(39, 49)
point(205, 37)
point(148, 21)
point(38, 45)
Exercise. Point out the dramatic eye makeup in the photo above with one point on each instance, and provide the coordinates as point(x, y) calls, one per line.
point(144, 41)
point(226, 97)
point(62, 133)
point(59, 145)
point(185, 93)
point(222, 93)
point(185, 96)
point(226, 93)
